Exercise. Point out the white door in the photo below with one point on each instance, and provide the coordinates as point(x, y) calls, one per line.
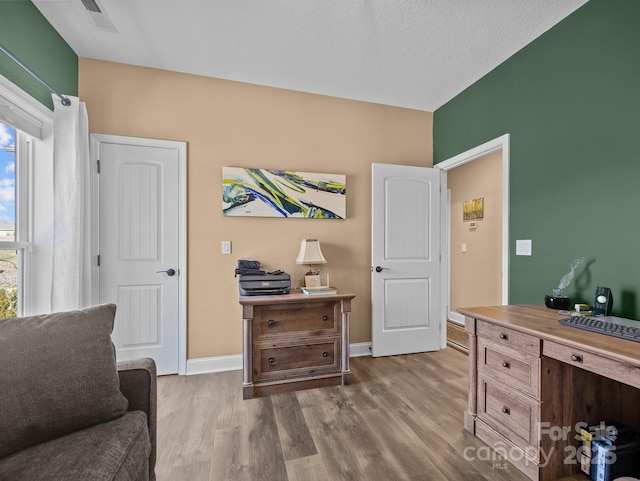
point(405, 260)
point(140, 247)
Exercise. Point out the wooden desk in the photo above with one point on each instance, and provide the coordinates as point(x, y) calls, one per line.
point(533, 380)
point(294, 341)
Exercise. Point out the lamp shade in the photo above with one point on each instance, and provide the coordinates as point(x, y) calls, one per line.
point(310, 252)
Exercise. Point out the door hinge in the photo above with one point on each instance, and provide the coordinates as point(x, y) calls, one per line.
point(98, 163)
point(98, 260)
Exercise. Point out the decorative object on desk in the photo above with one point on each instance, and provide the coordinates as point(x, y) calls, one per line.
point(603, 301)
point(557, 300)
point(311, 254)
point(581, 310)
point(283, 193)
point(473, 209)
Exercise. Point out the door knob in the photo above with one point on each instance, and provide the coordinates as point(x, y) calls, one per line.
point(169, 272)
point(380, 269)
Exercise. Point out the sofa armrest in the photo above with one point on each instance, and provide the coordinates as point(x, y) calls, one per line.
point(138, 384)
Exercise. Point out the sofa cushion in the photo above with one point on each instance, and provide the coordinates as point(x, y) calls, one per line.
point(117, 450)
point(57, 375)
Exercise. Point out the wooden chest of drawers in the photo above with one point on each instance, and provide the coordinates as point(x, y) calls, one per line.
point(295, 341)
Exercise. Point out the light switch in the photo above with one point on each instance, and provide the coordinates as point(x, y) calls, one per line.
point(226, 247)
point(523, 247)
point(463, 247)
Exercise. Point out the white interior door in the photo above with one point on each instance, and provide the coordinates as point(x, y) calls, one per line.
point(140, 236)
point(405, 260)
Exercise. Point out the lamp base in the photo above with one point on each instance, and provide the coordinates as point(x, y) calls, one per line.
point(312, 280)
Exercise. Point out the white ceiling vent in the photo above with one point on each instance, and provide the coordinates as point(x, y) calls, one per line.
point(98, 15)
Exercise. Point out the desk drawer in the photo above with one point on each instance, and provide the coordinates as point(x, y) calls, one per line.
point(512, 414)
point(322, 317)
point(515, 454)
point(508, 337)
point(591, 362)
point(519, 369)
point(282, 360)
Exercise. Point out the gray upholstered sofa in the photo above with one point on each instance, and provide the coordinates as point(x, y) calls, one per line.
point(67, 412)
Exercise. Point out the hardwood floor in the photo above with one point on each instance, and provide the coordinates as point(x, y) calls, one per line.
point(400, 420)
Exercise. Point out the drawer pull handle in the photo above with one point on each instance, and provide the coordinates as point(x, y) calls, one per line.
point(504, 336)
point(506, 410)
point(271, 323)
point(325, 318)
point(271, 360)
point(576, 357)
point(325, 354)
point(506, 365)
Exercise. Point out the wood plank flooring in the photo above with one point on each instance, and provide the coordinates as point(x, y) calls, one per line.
point(400, 420)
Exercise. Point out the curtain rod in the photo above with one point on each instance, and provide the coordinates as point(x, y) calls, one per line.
point(64, 100)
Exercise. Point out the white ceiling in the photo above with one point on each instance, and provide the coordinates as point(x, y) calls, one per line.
point(408, 53)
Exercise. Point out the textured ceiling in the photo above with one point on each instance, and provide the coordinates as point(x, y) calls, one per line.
point(409, 53)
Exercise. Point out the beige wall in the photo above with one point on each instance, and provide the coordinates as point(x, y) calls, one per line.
point(233, 124)
point(476, 276)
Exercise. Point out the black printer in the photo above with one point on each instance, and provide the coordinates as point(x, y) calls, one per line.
point(254, 281)
point(264, 284)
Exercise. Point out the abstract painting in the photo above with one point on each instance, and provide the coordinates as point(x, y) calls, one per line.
point(283, 193)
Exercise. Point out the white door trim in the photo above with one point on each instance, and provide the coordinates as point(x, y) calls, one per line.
point(181, 147)
point(494, 145)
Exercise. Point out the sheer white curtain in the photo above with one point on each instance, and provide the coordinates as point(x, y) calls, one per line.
point(71, 282)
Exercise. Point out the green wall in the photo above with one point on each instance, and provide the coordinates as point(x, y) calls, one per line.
point(30, 37)
point(571, 102)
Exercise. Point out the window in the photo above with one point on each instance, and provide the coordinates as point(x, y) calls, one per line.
point(13, 236)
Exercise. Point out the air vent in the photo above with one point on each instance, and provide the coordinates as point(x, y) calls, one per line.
point(91, 6)
point(99, 16)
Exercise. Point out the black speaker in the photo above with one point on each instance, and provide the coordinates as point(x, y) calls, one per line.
point(602, 302)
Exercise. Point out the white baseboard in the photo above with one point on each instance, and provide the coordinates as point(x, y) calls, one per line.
point(204, 365)
point(456, 318)
point(360, 349)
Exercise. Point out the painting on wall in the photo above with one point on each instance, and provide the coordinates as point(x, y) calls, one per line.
point(283, 193)
point(473, 209)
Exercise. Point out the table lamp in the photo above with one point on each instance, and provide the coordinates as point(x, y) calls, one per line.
point(311, 254)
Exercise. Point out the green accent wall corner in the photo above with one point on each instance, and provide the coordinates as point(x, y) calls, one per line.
point(30, 37)
point(570, 100)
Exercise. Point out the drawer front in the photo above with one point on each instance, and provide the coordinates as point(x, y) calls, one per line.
point(591, 362)
point(280, 360)
point(320, 317)
point(508, 337)
point(517, 456)
point(516, 368)
point(512, 414)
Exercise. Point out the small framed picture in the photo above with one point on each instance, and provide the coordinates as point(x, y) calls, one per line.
point(473, 209)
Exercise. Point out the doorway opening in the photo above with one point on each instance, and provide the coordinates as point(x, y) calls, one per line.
point(452, 244)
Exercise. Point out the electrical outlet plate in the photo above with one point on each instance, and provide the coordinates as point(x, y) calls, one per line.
point(523, 247)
